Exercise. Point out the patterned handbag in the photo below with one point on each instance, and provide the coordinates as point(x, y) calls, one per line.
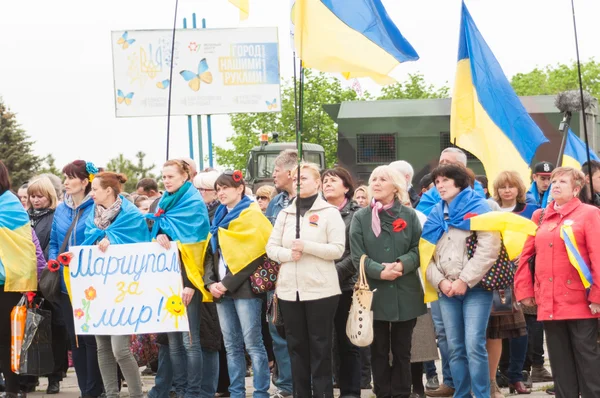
point(359, 326)
point(502, 273)
point(265, 277)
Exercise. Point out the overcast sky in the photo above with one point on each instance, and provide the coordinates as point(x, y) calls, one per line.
point(56, 68)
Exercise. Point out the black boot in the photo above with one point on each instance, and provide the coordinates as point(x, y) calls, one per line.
point(53, 387)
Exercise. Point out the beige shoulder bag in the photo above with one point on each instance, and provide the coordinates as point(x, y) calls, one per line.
point(359, 326)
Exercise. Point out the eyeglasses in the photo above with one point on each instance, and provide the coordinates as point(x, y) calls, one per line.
point(205, 190)
point(262, 198)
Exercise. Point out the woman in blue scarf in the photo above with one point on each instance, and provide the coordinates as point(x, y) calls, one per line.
point(464, 305)
point(115, 221)
point(182, 217)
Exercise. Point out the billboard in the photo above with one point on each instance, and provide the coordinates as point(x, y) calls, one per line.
point(215, 71)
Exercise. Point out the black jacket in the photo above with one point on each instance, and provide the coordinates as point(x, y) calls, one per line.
point(238, 285)
point(347, 272)
point(42, 227)
point(414, 197)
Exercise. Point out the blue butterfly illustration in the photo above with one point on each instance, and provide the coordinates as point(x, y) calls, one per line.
point(272, 104)
point(164, 84)
point(124, 42)
point(194, 79)
point(124, 98)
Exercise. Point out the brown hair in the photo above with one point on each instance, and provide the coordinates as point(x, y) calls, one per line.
point(226, 180)
point(462, 176)
point(113, 180)
point(77, 169)
point(181, 166)
point(343, 175)
point(42, 186)
point(512, 179)
point(4, 178)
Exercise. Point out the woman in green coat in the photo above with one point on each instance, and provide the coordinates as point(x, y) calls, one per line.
point(388, 233)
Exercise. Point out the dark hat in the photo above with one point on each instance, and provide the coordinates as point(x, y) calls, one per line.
point(543, 168)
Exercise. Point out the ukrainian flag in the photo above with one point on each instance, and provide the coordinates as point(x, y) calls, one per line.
point(18, 261)
point(487, 117)
point(356, 38)
point(575, 152)
point(470, 212)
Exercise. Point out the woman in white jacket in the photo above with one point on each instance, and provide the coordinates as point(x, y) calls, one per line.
point(308, 288)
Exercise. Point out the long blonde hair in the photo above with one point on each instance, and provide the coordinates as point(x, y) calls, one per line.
point(397, 179)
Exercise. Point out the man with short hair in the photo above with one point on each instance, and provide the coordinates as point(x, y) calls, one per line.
point(408, 172)
point(593, 199)
point(540, 187)
point(148, 187)
point(282, 178)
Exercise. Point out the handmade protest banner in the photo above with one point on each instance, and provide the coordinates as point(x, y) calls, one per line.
point(129, 289)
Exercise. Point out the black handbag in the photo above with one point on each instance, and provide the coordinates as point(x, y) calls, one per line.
point(531, 260)
point(503, 302)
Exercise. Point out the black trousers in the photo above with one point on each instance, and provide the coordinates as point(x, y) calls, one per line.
point(7, 302)
point(416, 372)
point(535, 343)
point(349, 354)
point(365, 367)
point(574, 357)
point(392, 380)
point(309, 334)
point(59, 342)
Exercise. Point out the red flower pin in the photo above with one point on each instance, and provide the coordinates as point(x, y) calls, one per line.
point(469, 215)
point(53, 265)
point(237, 176)
point(159, 213)
point(65, 258)
point(399, 225)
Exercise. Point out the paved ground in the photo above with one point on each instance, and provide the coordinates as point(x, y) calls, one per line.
point(69, 388)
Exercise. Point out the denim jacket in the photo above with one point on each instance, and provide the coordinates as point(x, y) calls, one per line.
point(278, 203)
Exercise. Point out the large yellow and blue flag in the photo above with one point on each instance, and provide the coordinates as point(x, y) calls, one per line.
point(487, 117)
point(575, 152)
point(356, 38)
point(18, 261)
point(470, 212)
point(244, 7)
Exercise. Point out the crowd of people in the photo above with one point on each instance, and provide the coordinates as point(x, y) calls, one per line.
point(309, 354)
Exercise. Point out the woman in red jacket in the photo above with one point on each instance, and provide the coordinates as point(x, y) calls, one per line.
point(568, 304)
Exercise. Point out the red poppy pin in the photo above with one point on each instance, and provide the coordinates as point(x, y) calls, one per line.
point(314, 220)
point(65, 258)
point(159, 213)
point(399, 225)
point(469, 215)
point(53, 265)
point(237, 176)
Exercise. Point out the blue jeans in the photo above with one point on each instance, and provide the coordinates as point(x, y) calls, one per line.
point(465, 321)
point(187, 355)
point(438, 324)
point(164, 374)
point(430, 369)
point(282, 357)
point(210, 373)
point(518, 352)
point(240, 321)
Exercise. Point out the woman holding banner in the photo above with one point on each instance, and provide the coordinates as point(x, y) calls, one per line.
point(18, 271)
point(239, 235)
point(181, 217)
point(68, 229)
point(115, 221)
point(564, 284)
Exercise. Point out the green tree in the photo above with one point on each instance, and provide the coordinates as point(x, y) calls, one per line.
point(319, 89)
point(16, 148)
point(554, 79)
point(49, 166)
point(415, 87)
point(134, 170)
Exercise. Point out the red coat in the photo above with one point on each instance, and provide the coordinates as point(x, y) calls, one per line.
point(558, 290)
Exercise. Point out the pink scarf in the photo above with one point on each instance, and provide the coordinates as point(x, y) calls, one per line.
point(375, 222)
point(344, 203)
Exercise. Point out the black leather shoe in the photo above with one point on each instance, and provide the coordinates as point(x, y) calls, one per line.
point(53, 387)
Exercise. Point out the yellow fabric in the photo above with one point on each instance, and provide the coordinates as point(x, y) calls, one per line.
point(474, 131)
point(67, 278)
point(575, 257)
point(514, 229)
point(568, 161)
point(18, 255)
point(326, 43)
point(244, 6)
point(192, 257)
point(246, 238)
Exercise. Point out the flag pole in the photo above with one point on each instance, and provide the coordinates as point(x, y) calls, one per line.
point(585, 132)
point(298, 105)
point(171, 79)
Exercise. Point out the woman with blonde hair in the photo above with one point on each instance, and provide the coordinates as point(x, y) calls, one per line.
point(361, 196)
point(388, 233)
point(264, 195)
point(308, 287)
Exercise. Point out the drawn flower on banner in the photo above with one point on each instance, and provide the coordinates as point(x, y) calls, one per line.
point(78, 313)
point(398, 225)
point(90, 293)
point(85, 328)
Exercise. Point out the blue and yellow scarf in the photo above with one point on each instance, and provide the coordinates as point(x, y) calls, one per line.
point(241, 234)
point(470, 212)
point(18, 261)
point(183, 217)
